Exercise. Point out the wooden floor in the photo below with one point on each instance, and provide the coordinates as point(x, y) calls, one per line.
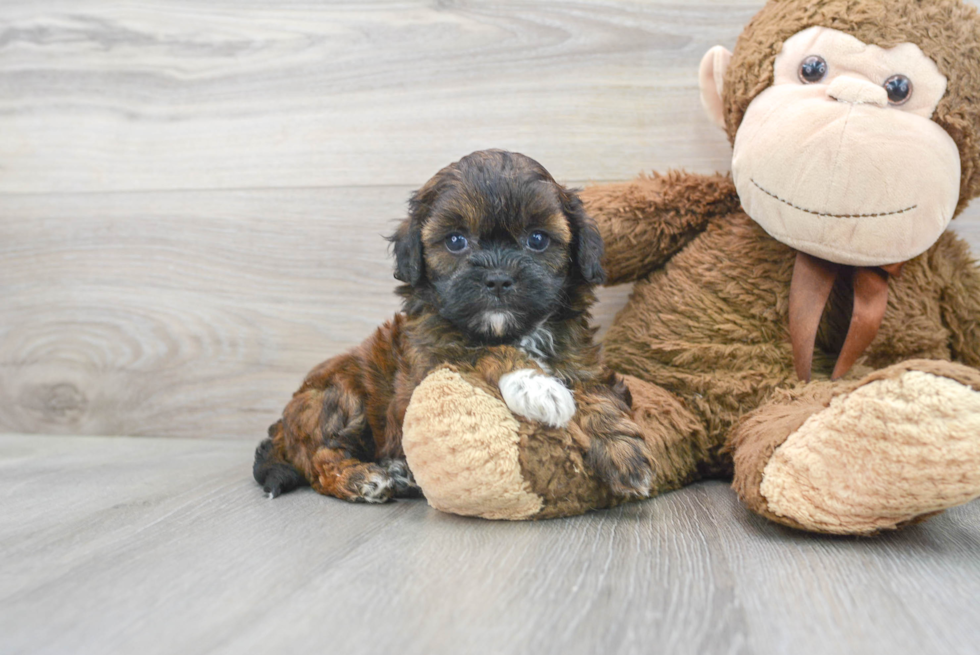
point(125, 545)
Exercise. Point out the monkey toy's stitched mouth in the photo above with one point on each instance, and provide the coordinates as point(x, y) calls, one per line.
point(816, 213)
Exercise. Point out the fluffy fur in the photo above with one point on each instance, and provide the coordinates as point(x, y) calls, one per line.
point(705, 337)
point(705, 332)
point(483, 294)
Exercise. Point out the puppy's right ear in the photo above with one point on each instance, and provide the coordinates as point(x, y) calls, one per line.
point(407, 246)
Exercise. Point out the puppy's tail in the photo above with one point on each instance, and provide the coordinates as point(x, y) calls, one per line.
point(271, 470)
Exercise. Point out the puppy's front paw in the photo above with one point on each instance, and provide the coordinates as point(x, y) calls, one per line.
point(622, 462)
point(537, 397)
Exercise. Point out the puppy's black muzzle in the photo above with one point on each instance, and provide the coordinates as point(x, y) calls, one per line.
point(499, 265)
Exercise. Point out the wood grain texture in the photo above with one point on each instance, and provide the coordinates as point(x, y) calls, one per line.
point(102, 96)
point(192, 193)
point(116, 545)
point(197, 316)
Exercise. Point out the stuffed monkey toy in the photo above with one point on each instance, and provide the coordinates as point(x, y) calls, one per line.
point(806, 326)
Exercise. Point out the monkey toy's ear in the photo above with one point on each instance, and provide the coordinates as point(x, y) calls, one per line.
point(711, 78)
point(407, 246)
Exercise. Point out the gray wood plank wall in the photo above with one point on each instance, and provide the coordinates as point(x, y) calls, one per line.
point(192, 193)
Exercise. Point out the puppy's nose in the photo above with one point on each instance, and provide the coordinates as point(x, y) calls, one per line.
point(498, 282)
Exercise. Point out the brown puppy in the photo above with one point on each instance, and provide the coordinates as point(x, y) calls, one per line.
point(499, 262)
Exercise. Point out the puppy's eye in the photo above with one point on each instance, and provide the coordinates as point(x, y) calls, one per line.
point(538, 241)
point(456, 243)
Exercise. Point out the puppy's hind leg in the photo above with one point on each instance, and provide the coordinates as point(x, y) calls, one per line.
point(335, 439)
point(271, 470)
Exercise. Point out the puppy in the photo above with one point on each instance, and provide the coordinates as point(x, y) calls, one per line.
point(498, 263)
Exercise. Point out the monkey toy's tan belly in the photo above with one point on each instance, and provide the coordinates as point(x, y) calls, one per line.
point(711, 326)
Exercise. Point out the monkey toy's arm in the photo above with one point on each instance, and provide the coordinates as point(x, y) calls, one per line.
point(500, 438)
point(598, 408)
point(960, 298)
point(646, 221)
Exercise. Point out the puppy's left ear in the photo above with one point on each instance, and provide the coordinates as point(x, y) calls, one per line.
point(587, 246)
point(407, 246)
point(407, 239)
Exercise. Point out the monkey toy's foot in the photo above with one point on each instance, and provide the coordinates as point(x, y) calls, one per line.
point(856, 458)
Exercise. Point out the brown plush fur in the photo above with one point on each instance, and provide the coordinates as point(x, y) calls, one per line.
point(708, 317)
point(342, 431)
point(704, 339)
point(687, 203)
point(710, 325)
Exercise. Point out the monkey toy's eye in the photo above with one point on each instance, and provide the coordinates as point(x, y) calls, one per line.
point(899, 89)
point(812, 69)
point(456, 243)
point(538, 241)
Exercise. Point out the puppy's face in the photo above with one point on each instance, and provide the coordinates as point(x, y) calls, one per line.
point(496, 246)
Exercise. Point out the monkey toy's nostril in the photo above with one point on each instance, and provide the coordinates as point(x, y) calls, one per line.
point(498, 282)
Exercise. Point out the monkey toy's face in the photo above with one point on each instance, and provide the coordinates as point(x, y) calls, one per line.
point(839, 157)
